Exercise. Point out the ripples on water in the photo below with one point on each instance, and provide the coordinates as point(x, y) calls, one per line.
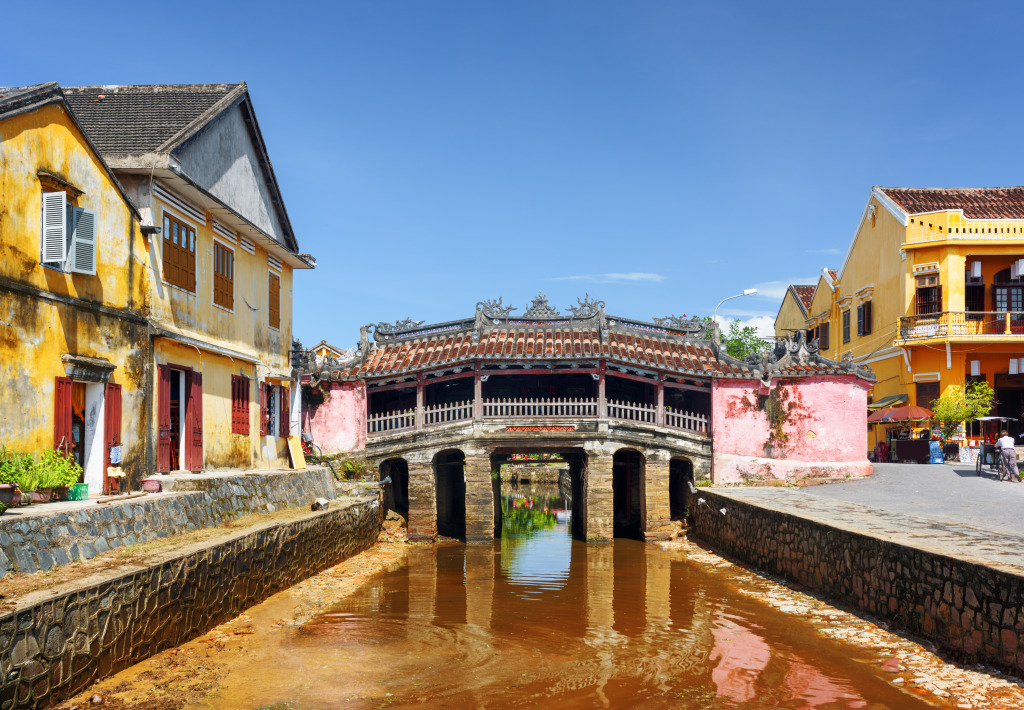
point(539, 619)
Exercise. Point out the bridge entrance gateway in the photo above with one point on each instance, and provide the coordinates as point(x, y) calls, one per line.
point(627, 408)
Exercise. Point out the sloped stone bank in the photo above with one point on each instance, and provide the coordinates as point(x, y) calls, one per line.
point(40, 540)
point(57, 642)
point(970, 608)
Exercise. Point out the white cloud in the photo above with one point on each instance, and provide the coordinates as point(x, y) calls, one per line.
point(630, 277)
point(777, 289)
point(765, 324)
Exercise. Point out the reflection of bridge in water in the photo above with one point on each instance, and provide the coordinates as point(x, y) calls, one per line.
point(540, 616)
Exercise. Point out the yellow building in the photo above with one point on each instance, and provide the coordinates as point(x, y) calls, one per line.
point(74, 340)
point(193, 159)
point(930, 294)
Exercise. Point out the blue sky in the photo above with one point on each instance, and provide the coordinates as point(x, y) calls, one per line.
point(659, 155)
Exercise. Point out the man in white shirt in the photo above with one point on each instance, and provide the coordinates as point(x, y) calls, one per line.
point(1005, 444)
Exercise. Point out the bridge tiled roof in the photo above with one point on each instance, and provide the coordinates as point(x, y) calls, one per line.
point(648, 350)
point(671, 345)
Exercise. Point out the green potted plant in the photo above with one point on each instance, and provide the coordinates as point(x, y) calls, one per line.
point(60, 472)
point(28, 481)
point(11, 463)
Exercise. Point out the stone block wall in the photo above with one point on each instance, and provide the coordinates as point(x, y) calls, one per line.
point(967, 607)
point(56, 645)
point(29, 543)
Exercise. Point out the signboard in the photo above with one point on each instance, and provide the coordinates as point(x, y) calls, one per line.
point(295, 453)
point(1004, 380)
point(935, 451)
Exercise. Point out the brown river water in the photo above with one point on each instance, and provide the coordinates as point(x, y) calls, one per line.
point(540, 620)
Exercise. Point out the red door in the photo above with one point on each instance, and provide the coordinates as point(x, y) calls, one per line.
point(195, 419)
point(163, 419)
point(111, 427)
point(62, 414)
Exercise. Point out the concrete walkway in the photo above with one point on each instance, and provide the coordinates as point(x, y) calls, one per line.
point(943, 508)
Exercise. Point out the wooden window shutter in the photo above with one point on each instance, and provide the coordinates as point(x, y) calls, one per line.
point(82, 255)
point(62, 412)
point(163, 418)
point(195, 415)
point(275, 301)
point(860, 319)
point(284, 411)
point(111, 425)
point(263, 409)
point(823, 336)
point(867, 318)
point(55, 226)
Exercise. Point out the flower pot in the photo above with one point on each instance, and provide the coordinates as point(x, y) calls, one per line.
point(59, 493)
point(151, 485)
point(8, 492)
point(26, 498)
point(42, 495)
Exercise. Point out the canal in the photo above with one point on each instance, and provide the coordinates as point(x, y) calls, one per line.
point(538, 619)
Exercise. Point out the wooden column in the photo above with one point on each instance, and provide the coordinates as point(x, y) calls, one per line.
point(478, 390)
point(602, 402)
point(419, 401)
point(661, 400)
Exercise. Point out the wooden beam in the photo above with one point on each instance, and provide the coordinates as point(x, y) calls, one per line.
point(628, 376)
point(445, 378)
point(681, 386)
point(397, 386)
point(546, 371)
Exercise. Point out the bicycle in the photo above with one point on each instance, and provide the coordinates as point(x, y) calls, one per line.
point(314, 454)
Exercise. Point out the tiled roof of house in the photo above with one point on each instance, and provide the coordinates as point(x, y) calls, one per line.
point(976, 202)
point(832, 274)
point(14, 99)
point(132, 120)
point(804, 293)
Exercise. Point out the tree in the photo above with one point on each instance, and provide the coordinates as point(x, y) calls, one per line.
point(742, 341)
point(960, 404)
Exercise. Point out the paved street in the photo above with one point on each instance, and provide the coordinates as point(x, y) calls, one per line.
point(943, 492)
point(944, 507)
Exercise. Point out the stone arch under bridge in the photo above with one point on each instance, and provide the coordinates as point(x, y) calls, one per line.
point(451, 490)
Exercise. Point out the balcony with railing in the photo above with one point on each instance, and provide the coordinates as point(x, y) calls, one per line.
point(550, 408)
point(962, 324)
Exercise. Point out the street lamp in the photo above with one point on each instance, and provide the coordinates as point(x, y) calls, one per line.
point(746, 292)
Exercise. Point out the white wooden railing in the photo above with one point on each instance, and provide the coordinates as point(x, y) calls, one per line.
point(528, 408)
point(441, 413)
point(686, 420)
point(632, 412)
point(555, 407)
point(390, 421)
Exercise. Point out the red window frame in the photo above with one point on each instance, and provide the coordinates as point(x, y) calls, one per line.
point(239, 405)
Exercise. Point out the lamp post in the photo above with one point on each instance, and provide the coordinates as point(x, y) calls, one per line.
point(746, 292)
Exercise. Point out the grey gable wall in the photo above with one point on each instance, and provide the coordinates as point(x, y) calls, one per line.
point(223, 160)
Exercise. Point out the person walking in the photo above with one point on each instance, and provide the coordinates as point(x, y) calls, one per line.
point(1008, 454)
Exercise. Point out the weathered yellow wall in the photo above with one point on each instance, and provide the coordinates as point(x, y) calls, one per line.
point(36, 331)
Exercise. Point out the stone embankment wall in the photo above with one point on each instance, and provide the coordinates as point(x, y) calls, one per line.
point(29, 543)
point(57, 644)
point(969, 608)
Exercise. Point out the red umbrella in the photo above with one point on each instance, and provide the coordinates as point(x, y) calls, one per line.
point(879, 416)
point(907, 414)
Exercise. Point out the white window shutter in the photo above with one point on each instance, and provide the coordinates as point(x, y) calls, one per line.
point(54, 228)
point(82, 255)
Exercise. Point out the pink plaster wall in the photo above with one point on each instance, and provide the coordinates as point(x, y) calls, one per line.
point(824, 432)
point(339, 424)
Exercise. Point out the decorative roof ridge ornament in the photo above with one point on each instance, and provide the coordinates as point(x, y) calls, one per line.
point(793, 351)
point(587, 308)
point(540, 308)
point(397, 326)
point(694, 326)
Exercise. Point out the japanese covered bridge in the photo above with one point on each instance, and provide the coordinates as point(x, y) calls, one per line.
point(634, 409)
